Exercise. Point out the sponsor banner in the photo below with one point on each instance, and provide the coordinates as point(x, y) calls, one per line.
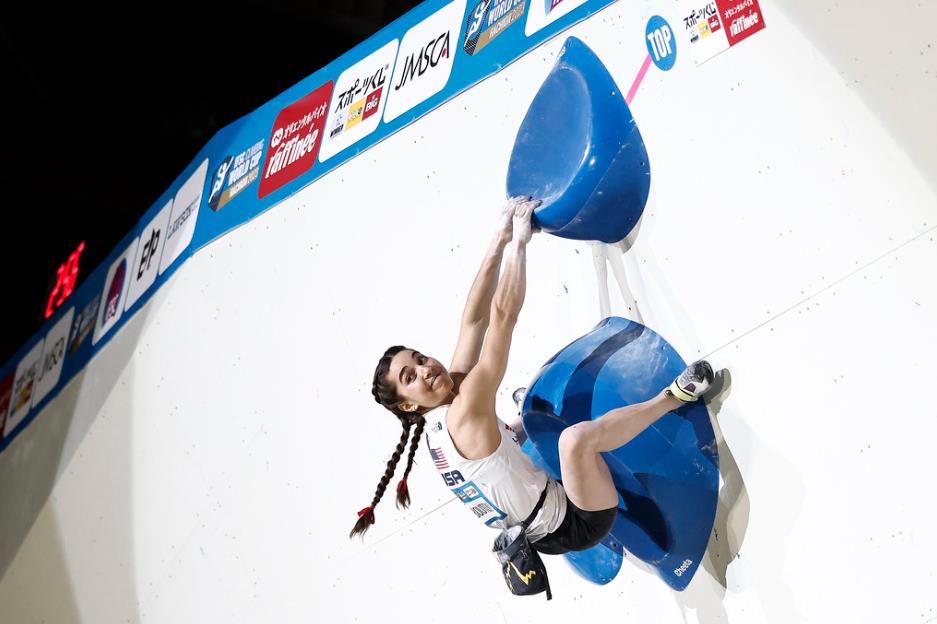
point(83, 324)
point(6, 394)
point(407, 70)
point(702, 30)
point(24, 385)
point(53, 357)
point(542, 13)
point(712, 27)
point(184, 215)
point(742, 19)
point(295, 139)
point(487, 20)
point(114, 295)
point(424, 62)
point(233, 175)
point(145, 264)
point(358, 101)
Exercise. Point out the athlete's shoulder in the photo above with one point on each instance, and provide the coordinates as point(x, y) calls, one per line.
point(434, 425)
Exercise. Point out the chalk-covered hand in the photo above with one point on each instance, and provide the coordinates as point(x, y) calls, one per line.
point(523, 228)
point(506, 219)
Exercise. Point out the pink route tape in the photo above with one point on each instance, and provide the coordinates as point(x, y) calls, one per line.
point(637, 80)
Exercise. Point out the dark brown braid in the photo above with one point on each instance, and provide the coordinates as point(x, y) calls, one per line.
point(403, 492)
point(366, 515)
point(386, 394)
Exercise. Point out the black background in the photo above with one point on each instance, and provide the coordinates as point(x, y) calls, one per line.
point(102, 109)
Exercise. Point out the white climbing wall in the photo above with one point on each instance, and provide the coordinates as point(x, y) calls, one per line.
point(208, 464)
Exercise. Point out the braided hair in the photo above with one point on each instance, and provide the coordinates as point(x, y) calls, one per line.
point(386, 394)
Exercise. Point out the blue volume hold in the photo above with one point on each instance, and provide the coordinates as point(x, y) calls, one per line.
point(579, 150)
point(667, 477)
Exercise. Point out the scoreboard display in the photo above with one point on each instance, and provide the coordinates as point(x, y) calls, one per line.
point(65, 280)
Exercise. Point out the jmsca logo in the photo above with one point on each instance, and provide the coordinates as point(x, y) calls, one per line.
point(416, 64)
point(425, 59)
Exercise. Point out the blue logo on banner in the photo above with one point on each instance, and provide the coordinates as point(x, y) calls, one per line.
point(661, 43)
point(473, 25)
point(217, 183)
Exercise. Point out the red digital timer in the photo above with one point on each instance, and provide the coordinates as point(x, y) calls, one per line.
point(66, 276)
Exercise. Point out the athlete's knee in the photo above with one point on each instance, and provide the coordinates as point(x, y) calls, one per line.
point(579, 438)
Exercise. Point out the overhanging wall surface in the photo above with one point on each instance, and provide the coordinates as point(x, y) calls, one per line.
point(224, 440)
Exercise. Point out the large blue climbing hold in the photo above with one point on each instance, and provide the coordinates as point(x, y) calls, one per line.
point(580, 152)
point(667, 477)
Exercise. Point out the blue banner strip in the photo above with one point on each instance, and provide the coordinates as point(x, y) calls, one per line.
point(370, 92)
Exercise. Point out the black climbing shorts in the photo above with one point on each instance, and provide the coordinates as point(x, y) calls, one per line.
point(578, 531)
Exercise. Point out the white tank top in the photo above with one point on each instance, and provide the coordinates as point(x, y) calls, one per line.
point(501, 489)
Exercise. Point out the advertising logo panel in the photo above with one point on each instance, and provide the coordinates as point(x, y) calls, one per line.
point(742, 19)
point(24, 385)
point(6, 394)
point(488, 19)
point(359, 99)
point(146, 261)
point(53, 357)
point(713, 26)
point(542, 13)
point(84, 323)
point(702, 29)
point(295, 140)
point(425, 59)
point(115, 293)
point(181, 226)
point(234, 174)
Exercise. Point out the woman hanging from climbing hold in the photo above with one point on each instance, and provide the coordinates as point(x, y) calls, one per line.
point(479, 456)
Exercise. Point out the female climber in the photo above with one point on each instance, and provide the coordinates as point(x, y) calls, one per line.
point(479, 456)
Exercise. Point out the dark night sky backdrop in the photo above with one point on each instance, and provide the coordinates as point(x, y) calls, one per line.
point(102, 110)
